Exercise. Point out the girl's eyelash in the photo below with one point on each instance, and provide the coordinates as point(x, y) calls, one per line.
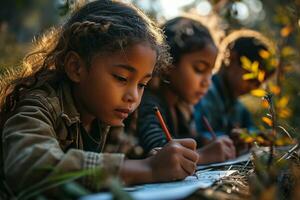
point(201, 69)
point(198, 70)
point(142, 85)
point(120, 78)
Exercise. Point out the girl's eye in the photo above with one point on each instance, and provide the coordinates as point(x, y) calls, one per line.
point(198, 70)
point(201, 69)
point(142, 86)
point(120, 78)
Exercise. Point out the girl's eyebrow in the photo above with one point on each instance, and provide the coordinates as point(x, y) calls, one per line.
point(148, 75)
point(131, 69)
point(201, 61)
point(127, 67)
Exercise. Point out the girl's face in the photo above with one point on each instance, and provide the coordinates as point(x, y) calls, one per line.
point(191, 77)
point(113, 85)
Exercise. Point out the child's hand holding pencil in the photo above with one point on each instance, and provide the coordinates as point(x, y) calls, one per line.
point(218, 150)
point(175, 160)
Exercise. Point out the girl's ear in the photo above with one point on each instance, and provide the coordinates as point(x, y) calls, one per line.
point(74, 66)
point(167, 71)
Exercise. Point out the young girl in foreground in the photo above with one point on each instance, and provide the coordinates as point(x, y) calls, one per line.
point(194, 53)
point(87, 76)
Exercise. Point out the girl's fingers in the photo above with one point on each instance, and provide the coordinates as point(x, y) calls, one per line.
point(229, 153)
point(187, 142)
point(188, 166)
point(190, 155)
point(229, 144)
point(227, 141)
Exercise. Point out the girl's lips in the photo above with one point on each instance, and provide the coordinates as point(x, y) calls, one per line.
point(200, 94)
point(122, 113)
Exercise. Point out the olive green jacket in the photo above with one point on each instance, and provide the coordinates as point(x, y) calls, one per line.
point(44, 131)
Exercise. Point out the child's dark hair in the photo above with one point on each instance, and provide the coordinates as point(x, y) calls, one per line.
point(247, 43)
point(99, 26)
point(249, 47)
point(186, 35)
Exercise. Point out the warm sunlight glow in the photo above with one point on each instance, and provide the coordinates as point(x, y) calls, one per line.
point(171, 8)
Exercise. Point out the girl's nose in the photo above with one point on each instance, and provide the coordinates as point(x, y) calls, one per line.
point(132, 95)
point(205, 81)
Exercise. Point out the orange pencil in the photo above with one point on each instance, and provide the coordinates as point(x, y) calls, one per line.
point(162, 123)
point(209, 128)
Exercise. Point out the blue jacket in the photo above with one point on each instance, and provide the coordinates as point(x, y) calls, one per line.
point(223, 111)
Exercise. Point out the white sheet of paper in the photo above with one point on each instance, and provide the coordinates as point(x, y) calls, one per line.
point(169, 190)
point(240, 159)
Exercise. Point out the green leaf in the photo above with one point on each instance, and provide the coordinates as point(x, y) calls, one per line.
point(54, 181)
point(73, 189)
point(118, 191)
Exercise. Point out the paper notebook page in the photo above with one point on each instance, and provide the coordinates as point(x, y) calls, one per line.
point(240, 159)
point(170, 190)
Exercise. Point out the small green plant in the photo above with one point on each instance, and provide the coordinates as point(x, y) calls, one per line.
point(67, 186)
point(275, 175)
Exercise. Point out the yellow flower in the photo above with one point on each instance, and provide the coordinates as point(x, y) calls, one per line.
point(287, 51)
point(274, 62)
point(258, 92)
point(261, 76)
point(246, 63)
point(248, 139)
point(275, 89)
point(284, 113)
point(260, 139)
point(282, 103)
point(267, 120)
point(286, 31)
point(264, 54)
point(265, 103)
point(249, 76)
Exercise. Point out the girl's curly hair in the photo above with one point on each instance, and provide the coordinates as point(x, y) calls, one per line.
point(99, 26)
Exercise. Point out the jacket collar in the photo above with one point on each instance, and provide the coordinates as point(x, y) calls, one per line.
point(69, 112)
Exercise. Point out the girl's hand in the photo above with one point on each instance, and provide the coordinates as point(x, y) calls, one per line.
point(240, 145)
point(217, 151)
point(174, 161)
point(154, 151)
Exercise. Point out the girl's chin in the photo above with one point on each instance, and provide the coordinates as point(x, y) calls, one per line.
point(116, 123)
point(112, 121)
point(193, 101)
